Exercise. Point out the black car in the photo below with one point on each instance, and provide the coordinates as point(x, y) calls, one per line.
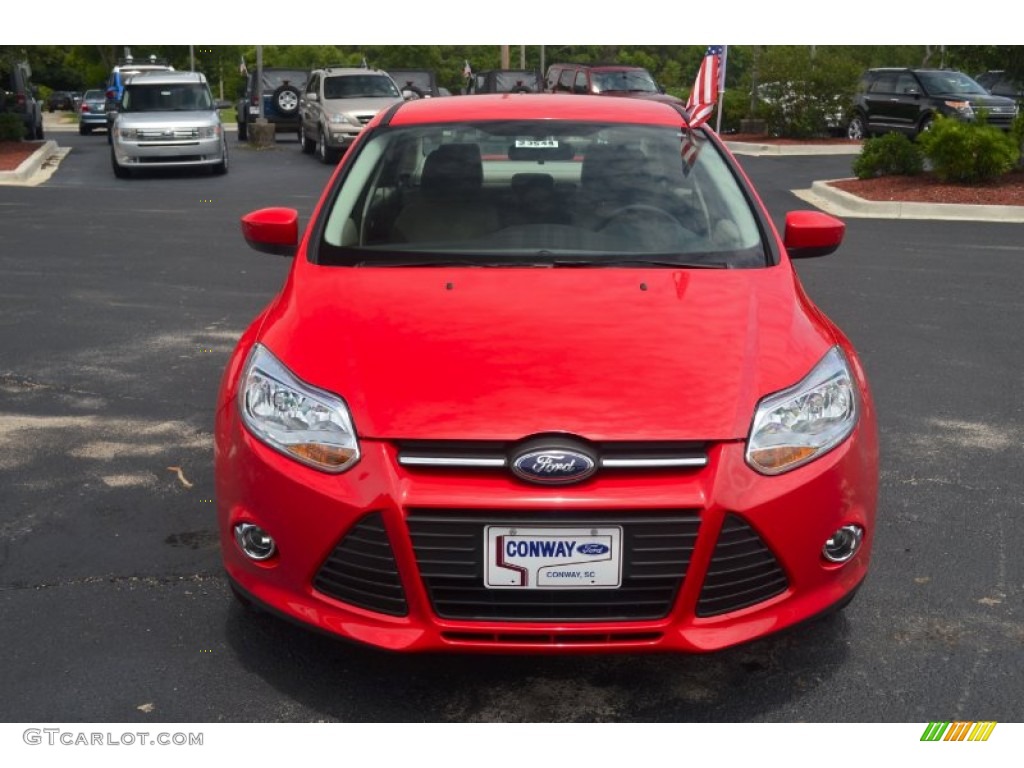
point(281, 90)
point(422, 83)
point(907, 100)
point(506, 81)
point(61, 100)
point(18, 97)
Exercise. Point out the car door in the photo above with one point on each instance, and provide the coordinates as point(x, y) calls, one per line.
point(908, 104)
point(880, 102)
point(308, 105)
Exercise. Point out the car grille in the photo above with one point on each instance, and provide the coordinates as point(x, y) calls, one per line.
point(361, 570)
point(449, 547)
point(743, 571)
point(173, 134)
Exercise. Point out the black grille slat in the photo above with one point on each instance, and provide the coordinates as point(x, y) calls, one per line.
point(651, 579)
point(361, 570)
point(743, 571)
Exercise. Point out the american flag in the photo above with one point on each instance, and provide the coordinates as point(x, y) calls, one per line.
point(689, 149)
point(702, 99)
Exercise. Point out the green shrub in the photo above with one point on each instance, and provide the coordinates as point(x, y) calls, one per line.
point(892, 154)
point(12, 128)
point(968, 153)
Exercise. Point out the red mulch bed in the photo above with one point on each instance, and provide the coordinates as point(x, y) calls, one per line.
point(1006, 190)
point(14, 153)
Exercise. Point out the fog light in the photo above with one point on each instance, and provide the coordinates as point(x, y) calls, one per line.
point(843, 544)
point(254, 541)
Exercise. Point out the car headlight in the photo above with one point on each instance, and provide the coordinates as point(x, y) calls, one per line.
point(342, 119)
point(963, 107)
point(295, 418)
point(209, 131)
point(129, 133)
point(801, 423)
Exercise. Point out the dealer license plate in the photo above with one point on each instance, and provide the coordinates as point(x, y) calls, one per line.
point(553, 558)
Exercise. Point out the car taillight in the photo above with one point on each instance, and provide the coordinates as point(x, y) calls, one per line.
point(20, 98)
point(85, 108)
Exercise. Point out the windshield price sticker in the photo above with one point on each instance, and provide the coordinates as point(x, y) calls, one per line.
point(537, 143)
point(553, 558)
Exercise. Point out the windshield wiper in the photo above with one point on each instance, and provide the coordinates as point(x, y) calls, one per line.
point(636, 263)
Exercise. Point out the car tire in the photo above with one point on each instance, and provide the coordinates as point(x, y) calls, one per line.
point(857, 128)
point(925, 125)
point(119, 170)
point(286, 100)
point(308, 146)
point(84, 130)
point(325, 154)
point(222, 167)
point(243, 131)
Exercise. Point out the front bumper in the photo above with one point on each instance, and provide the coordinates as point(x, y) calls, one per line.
point(170, 153)
point(341, 136)
point(356, 555)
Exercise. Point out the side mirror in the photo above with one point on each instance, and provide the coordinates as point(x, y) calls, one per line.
point(272, 230)
point(812, 233)
point(223, 105)
point(311, 96)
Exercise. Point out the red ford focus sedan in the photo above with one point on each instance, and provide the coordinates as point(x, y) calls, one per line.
point(542, 378)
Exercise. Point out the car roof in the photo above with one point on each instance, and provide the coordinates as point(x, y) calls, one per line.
point(352, 71)
point(168, 77)
point(536, 106)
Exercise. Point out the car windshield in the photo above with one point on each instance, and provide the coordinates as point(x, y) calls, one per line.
point(950, 82)
point(505, 82)
point(625, 80)
point(359, 87)
point(166, 97)
point(540, 193)
point(93, 96)
point(274, 79)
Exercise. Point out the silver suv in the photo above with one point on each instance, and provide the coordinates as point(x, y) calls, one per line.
point(337, 103)
point(167, 119)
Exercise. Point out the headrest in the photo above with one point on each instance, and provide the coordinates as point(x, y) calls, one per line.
point(453, 168)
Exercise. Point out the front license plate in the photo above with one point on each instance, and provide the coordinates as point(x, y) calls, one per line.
point(552, 558)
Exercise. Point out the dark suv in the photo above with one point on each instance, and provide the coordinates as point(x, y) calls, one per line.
point(606, 80)
point(281, 91)
point(18, 97)
point(907, 100)
point(422, 83)
point(506, 81)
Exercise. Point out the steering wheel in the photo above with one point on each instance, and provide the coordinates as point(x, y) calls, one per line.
point(640, 211)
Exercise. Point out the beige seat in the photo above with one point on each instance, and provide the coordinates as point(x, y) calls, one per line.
point(449, 205)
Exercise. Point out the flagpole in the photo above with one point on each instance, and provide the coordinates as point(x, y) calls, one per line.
point(721, 88)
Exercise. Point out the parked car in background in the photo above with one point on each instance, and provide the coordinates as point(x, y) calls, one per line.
point(119, 75)
point(92, 113)
point(167, 120)
point(428, 441)
point(907, 100)
point(506, 81)
point(999, 83)
point(337, 102)
point(606, 80)
point(422, 83)
point(18, 97)
point(281, 90)
point(62, 100)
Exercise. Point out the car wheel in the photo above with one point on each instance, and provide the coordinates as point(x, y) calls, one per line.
point(926, 124)
point(119, 170)
point(324, 154)
point(286, 100)
point(222, 167)
point(308, 145)
point(856, 130)
point(84, 130)
point(243, 131)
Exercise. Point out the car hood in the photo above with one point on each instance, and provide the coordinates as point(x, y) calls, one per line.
point(608, 354)
point(370, 104)
point(978, 99)
point(192, 118)
point(662, 97)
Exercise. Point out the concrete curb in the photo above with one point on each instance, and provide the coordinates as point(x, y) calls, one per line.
point(31, 165)
point(757, 150)
point(839, 203)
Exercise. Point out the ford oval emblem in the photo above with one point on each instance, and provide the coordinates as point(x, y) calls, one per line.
point(553, 466)
point(592, 549)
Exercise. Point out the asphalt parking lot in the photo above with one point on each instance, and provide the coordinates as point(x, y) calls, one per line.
point(119, 303)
